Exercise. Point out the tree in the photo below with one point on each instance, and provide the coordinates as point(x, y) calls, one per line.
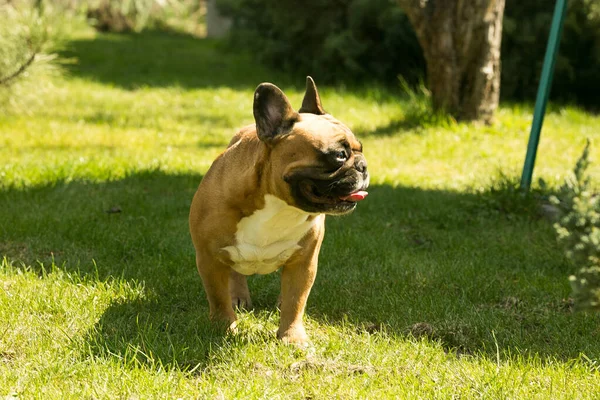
point(461, 44)
point(24, 41)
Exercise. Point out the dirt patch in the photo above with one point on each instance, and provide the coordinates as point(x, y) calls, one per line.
point(328, 366)
point(454, 337)
point(15, 250)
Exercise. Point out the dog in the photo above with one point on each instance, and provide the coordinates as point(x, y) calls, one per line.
point(262, 204)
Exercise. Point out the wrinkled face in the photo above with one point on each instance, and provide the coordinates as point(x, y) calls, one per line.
point(314, 155)
point(326, 170)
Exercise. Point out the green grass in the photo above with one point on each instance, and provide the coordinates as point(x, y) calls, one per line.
point(437, 286)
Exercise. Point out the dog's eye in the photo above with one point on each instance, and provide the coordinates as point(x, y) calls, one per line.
point(341, 155)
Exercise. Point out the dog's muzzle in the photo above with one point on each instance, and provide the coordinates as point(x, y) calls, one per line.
point(336, 193)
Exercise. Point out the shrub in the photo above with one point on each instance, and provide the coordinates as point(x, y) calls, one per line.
point(334, 41)
point(354, 40)
point(26, 42)
point(578, 232)
point(526, 27)
point(136, 15)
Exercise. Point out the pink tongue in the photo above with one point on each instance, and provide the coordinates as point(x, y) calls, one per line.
point(356, 196)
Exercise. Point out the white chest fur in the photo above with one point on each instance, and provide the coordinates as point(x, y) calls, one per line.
point(268, 237)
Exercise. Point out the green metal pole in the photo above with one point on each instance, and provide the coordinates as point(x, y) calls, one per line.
point(543, 91)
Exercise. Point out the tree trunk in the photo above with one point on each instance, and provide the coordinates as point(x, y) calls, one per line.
point(216, 24)
point(461, 44)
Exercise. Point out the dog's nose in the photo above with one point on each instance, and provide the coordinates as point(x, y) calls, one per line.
point(361, 165)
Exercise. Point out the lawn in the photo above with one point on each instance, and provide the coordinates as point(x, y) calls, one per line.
point(436, 287)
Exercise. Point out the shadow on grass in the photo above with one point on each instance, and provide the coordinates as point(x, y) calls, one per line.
point(160, 59)
point(417, 114)
point(451, 266)
point(394, 127)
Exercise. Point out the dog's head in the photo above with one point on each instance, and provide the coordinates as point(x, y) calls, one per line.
point(317, 164)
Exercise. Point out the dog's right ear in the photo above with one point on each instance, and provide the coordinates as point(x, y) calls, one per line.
point(273, 112)
point(312, 102)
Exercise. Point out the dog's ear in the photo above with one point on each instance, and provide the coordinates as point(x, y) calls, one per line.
point(312, 102)
point(273, 112)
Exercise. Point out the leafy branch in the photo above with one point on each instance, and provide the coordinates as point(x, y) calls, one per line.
point(578, 231)
point(7, 79)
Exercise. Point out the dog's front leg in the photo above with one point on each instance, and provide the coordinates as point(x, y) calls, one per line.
point(297, 278)
point(238, 290)
point(215, 279)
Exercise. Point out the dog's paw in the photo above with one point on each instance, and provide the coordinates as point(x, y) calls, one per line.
point(232, 329)
point(294, 335)
point(241, 301)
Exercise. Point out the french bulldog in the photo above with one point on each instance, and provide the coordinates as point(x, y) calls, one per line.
point(262, 204)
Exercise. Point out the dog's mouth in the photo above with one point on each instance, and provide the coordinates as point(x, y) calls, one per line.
point(359, 195)
point(317, 195)
point(320, 195)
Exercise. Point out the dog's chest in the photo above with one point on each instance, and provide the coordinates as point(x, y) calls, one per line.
point(268, 237)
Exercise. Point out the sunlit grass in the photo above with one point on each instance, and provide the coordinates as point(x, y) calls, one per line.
point(433, 288)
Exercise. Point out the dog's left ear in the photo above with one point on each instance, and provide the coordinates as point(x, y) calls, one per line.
point(273, 112)
point(312, 102)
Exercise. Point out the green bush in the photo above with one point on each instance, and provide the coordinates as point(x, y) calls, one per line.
point(334, 41)
point(358, 40)
point(136, 15)
point(123, 16)
point(578, 232)
point(27, 40)
point(526, 27)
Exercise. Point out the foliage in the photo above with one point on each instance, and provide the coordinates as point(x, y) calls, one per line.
point(578, 232)
point(526, 27)
point(136, 15)
point(120, 16)
point(27, 38)
point(333, 41)
point(373, 40)
point(506, 196)
point(418, 109)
